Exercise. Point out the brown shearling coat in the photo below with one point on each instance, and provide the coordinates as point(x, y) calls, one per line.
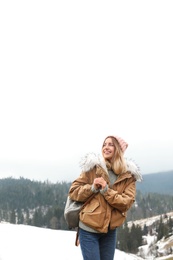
point(108, 209)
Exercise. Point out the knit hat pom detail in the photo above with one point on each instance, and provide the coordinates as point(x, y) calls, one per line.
point(122, 143)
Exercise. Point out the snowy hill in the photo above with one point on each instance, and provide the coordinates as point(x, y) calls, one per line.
point(163, 248)
point(20, 242)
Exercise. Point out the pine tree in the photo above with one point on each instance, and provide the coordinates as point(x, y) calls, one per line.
point(13, 217)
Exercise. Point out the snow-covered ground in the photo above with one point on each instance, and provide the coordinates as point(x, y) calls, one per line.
point(163, 248)
point(19, 242)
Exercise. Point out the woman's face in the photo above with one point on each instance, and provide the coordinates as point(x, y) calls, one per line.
point(108, 149)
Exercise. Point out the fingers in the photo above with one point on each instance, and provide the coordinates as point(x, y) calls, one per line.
point(99, 183)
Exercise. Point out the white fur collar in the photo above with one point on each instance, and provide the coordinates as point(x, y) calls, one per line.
point(91, 159)
point(134, 169)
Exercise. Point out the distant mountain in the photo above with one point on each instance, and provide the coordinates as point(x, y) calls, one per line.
point(161, 183)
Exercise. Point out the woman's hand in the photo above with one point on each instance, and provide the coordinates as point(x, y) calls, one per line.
point(99, 183)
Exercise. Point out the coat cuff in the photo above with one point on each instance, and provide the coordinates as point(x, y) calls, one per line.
point(104, 190)
point(94, 190)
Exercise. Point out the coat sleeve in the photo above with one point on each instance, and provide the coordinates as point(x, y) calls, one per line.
point(80, 189)
point(122, 200)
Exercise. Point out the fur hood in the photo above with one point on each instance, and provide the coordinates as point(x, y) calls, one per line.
point(90, 160)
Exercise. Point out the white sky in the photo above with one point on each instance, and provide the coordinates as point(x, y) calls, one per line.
point(20, 242)
point(73, 72)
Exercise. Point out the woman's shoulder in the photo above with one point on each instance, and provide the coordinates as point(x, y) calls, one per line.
point(90, 160)
point(134, 169)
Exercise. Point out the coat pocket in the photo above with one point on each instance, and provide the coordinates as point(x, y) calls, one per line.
point(92, 215)
point(118, 218)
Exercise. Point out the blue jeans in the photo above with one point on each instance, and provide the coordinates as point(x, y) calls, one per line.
point(97, 246)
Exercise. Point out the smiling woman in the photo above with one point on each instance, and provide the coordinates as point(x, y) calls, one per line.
point(111, 182)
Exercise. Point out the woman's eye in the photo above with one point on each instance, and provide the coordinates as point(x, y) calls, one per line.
point(112, 145)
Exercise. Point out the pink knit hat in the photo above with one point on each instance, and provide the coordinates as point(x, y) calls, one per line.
point(123, 145)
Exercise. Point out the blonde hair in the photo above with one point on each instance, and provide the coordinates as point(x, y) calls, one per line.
point(117, 162)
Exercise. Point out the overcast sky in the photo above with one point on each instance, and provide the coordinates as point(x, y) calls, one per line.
point(73, 72)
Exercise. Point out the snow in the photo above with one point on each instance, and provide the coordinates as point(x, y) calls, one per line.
point(149, 221)
point(20, 242)
point(150, 240)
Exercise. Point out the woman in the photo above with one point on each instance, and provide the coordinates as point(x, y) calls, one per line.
point(113, 180)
